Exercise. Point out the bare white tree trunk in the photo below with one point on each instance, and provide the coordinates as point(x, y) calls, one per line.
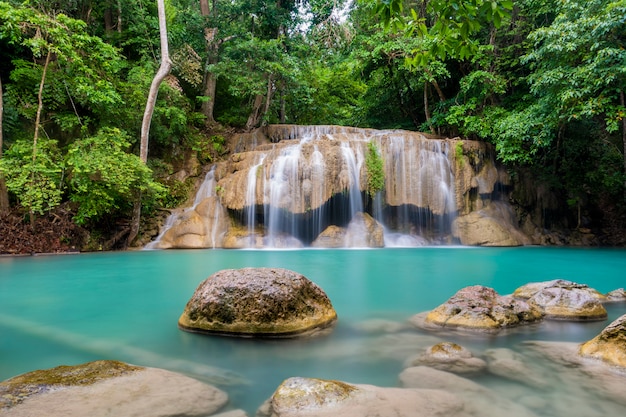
point(164, 69)
point(4, 194)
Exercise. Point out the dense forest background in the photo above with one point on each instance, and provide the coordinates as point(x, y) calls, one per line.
point(542, 80)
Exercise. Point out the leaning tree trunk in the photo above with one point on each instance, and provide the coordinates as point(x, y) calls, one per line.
point(164, 69)
point(622, 100)
point(4, 194)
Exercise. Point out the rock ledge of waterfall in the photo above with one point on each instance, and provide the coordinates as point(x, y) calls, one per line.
point(479, 308)
point(258, 302)
point(107, 388)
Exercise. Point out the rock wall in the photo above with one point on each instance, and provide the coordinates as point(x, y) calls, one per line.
point(286, 182)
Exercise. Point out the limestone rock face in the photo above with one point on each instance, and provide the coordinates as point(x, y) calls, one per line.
point(450, 357)
point(107, 388)
point(564, 300)
point(202, 226)
point(490, 226)
point(609, 345)
point(300, 397)
point(262, 302)
point(363, 231)
point(482, 308)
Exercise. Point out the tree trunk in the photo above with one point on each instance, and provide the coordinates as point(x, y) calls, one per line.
point(427, 109)
point(37, 123)
point(164, 69)
point(622, 101)
point(210, 81)
point(4, 194)
point(254, 115)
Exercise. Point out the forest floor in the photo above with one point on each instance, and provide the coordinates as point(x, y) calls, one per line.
point(52, 233)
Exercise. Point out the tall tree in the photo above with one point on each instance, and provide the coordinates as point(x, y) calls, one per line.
point(163, 71)
point(4, 194)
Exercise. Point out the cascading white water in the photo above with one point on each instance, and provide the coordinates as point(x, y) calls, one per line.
point(254, 174)
point(353, 157)
point(279, 193)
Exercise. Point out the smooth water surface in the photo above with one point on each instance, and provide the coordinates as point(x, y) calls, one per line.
point(72, 309)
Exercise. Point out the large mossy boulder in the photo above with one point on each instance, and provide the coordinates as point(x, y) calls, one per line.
point(610, 345)
point(564, 300)
point(107, 388)
point(258, 302)
point(480, 308)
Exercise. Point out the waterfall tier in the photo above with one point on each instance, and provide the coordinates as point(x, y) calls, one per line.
point(288, 185)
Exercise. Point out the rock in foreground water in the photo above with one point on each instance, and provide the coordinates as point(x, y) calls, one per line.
point(482, 308)
point(308, 397)
point(107, 388)
point(450, 357)
point(609, 345)
point(564, 300)
point(261, 302)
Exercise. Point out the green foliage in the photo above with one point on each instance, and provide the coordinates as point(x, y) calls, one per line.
point(36, 182)
point(104, 178)
point(375, 170)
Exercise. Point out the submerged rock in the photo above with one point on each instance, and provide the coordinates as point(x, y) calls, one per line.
point(262, 302)
point(509, 364)
point(107, 388)
point(450, 357)
point(478, 401)
point(564, 300)
point(610, 345)
point(483, 309)
point(297, 397)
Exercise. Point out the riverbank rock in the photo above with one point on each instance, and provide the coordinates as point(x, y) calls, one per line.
point(610, 345)
point(564, 300)
point(107, 388)
point(483, 309)
point(262, 302)
point(300, 397)
point(450, 357)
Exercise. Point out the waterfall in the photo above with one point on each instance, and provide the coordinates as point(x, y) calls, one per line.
point(353, 157)
point(294, 186)
point(209, 224)
point(280, 191)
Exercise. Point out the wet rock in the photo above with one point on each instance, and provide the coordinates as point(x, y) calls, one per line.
point(508, 364)
point(202, 226)
point(262, 302)
point(478, 400)
point(310, 397)
point(107, 388)
point(483, 309)
point(610, 345)
point(490, 226)
point(564, 300)
point(616, 296)
point(363, 231)
point(583, 378)
point(450, 357)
